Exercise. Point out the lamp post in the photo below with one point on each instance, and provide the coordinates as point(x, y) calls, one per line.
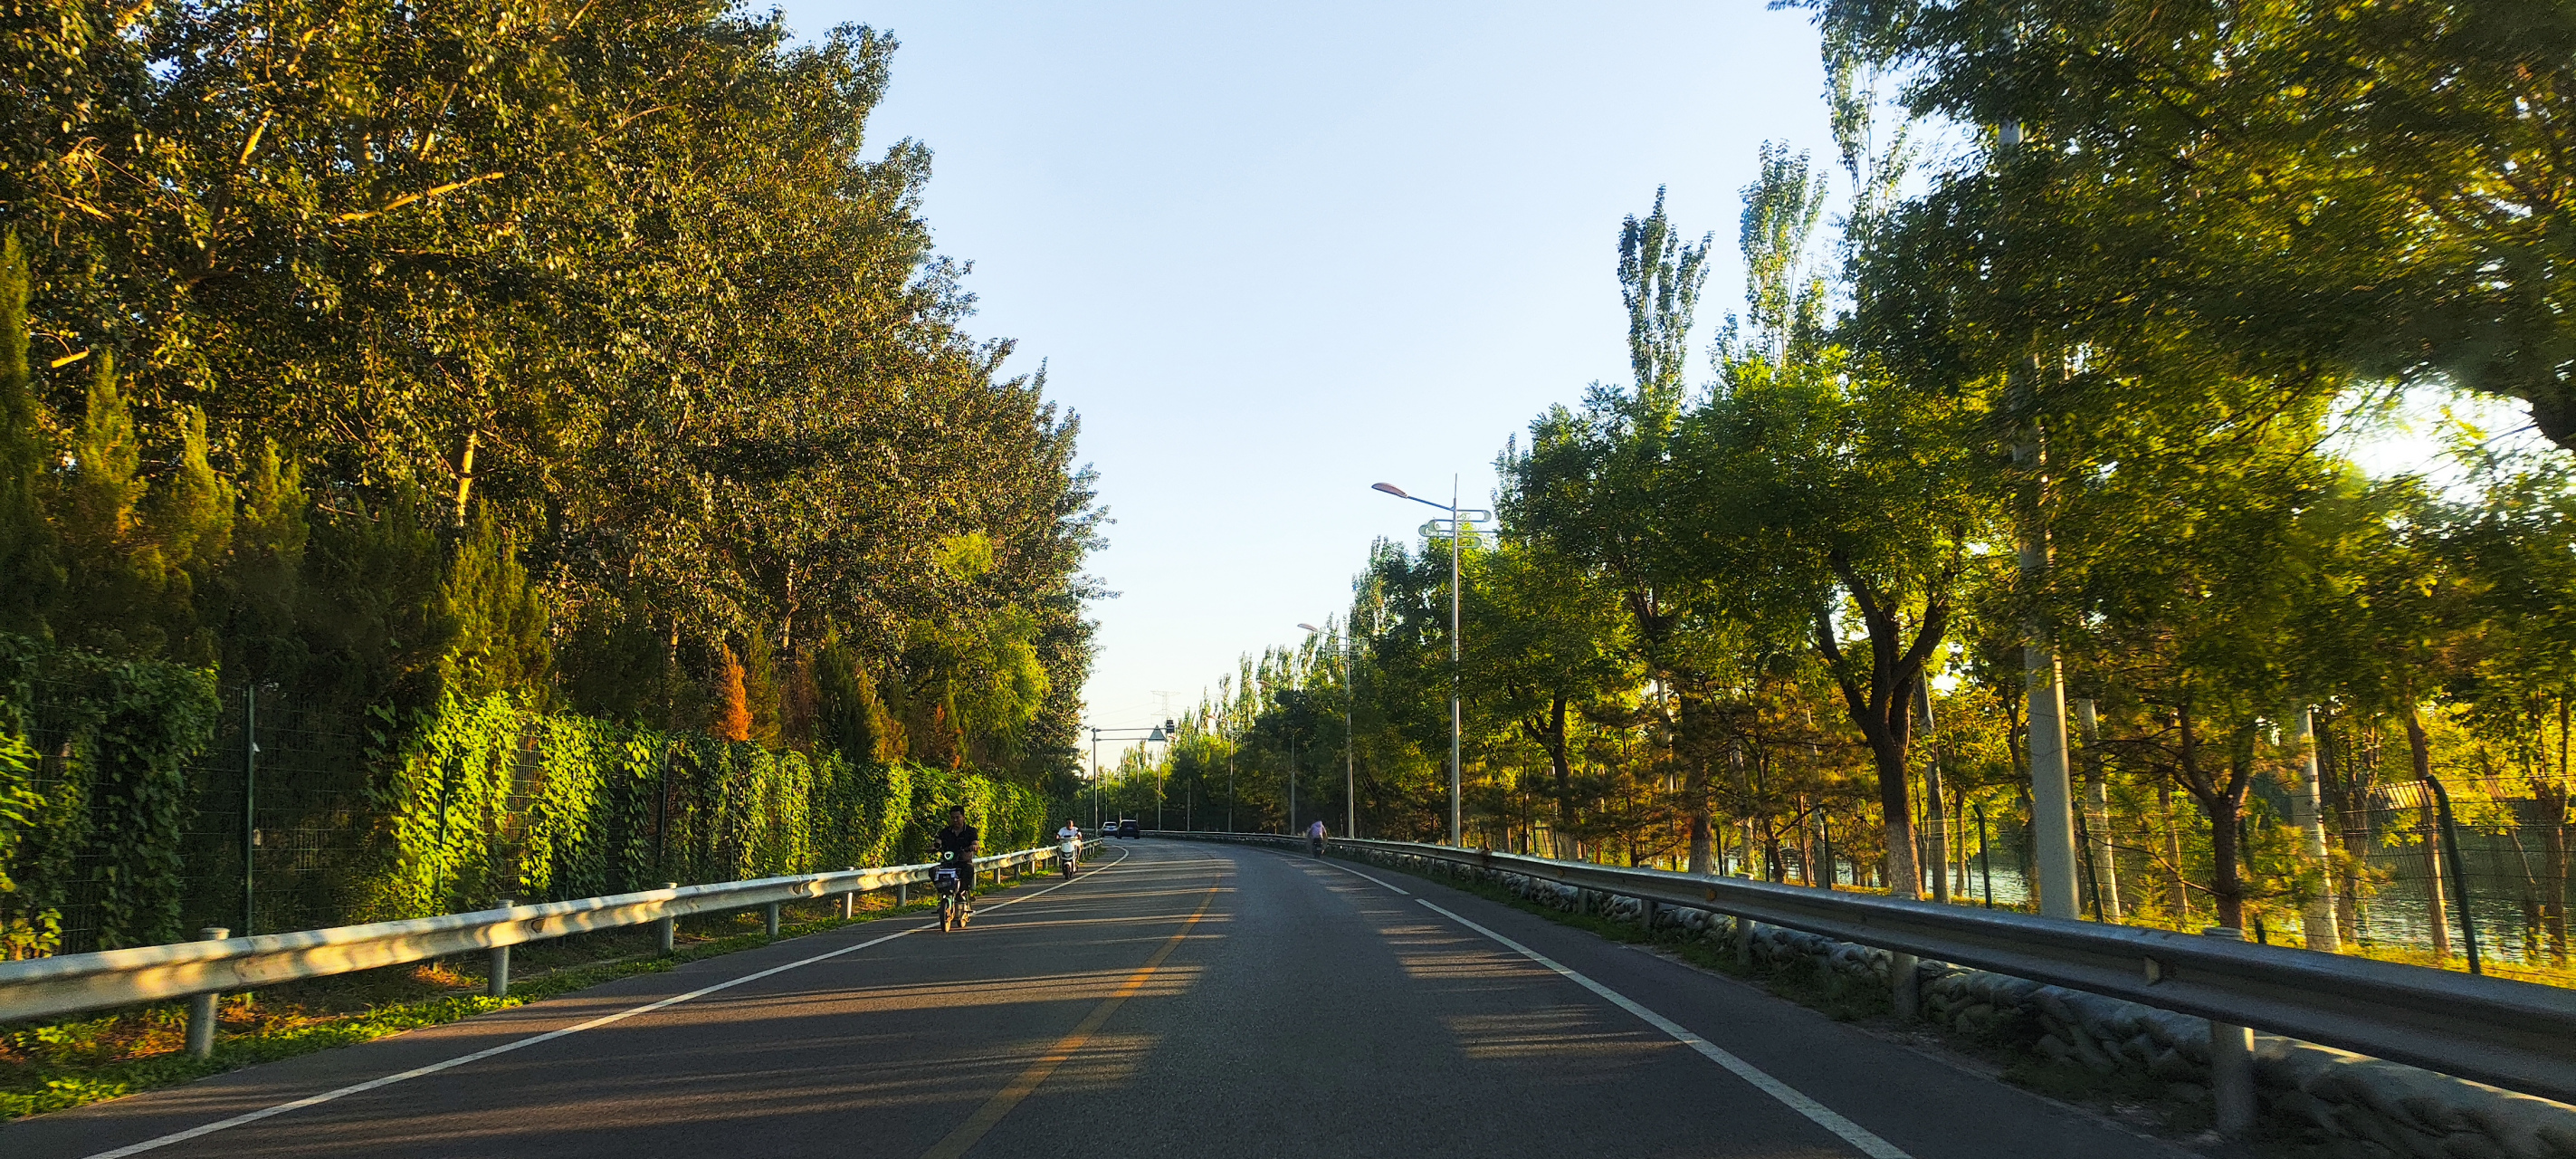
point(1350, 759)
point(1169, 730)
point(1150, 736)
point(1456, 525)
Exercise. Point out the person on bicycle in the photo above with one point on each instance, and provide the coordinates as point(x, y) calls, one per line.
point(1069, 839)
point(956, 845)
point(1315, 839)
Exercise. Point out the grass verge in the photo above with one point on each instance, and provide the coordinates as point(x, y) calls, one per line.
point(106, 1055)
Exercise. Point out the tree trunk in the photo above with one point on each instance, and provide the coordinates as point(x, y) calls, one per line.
point(1937, 849)
point(2438, 914)
point(2554, 888)
point(1806, 845)
point(2225, 886)
point(2178, 886)
point(2340, 778)
point(1690, 746)
point(2229, 878)
point(1560, 769)
point(2026, 850)
point(2224, 804)
point(1881, 701)
point(2308, 813)
point(1959, 851)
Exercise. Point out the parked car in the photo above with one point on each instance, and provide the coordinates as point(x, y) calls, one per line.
point(1127, 827)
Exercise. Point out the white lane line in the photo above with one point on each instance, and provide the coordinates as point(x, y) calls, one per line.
point(1824, 1116)
point(532, 1040)
point(1364, 877)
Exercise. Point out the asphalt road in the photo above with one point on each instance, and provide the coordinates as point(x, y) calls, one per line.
point(1178, 999)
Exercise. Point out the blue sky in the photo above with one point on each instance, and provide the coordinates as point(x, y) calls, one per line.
point(1273, 254)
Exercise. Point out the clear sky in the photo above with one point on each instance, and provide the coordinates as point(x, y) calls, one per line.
point(1275, 253)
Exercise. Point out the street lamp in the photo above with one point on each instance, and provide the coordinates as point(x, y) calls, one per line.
point(1456, 526)
point(1151, 736)
point(1350, 761)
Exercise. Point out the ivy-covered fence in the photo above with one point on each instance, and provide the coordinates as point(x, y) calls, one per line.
point(487, 799)
point(94, 795)
point(139, 801)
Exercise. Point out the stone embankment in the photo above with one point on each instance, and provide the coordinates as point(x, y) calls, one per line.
point(2351, 1106)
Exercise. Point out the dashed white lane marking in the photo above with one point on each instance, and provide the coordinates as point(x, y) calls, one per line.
point(532, 1040)
point(1823, 1116)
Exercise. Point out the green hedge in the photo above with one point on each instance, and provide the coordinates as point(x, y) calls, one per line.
point(102, 763)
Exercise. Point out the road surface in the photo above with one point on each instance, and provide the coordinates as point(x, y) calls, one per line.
point(1176, 999)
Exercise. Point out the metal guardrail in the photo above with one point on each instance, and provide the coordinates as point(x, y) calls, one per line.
point(44, 987)
point(2517, 1035)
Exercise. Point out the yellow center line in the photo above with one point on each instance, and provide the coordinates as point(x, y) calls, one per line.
point(974, 1129)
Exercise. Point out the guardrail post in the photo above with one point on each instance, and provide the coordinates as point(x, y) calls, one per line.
point(2231, 1064)
point(496, 978)
point(666, 932)
point(850, 901)
point(1905, 985)
point(201, 1007)
point(902, 894)
point(1745, 931)
point(769, 920)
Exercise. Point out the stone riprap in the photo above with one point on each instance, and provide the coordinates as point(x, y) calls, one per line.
point(2353, 1106)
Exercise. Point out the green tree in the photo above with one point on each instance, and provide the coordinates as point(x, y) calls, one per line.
point(31, 576)
point(2374, 188)
point(1593, 485)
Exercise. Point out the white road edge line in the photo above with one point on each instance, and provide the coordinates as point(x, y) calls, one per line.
point(1364, 877)
point(1824, 1116)
point(534, 1039)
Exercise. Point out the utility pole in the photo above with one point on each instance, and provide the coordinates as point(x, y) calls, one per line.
point(250, 803)
point(2052, 796)
point(1350, 757)
point(1457, 533)
point(1164, 734)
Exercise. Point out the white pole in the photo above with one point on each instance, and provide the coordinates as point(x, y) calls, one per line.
point(1456, 674)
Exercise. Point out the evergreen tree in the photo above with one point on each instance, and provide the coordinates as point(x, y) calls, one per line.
point(31, 576)
point(855, 721)
point(500, 642)
point(258, 591)
point(189, 519)
point(118, 596)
